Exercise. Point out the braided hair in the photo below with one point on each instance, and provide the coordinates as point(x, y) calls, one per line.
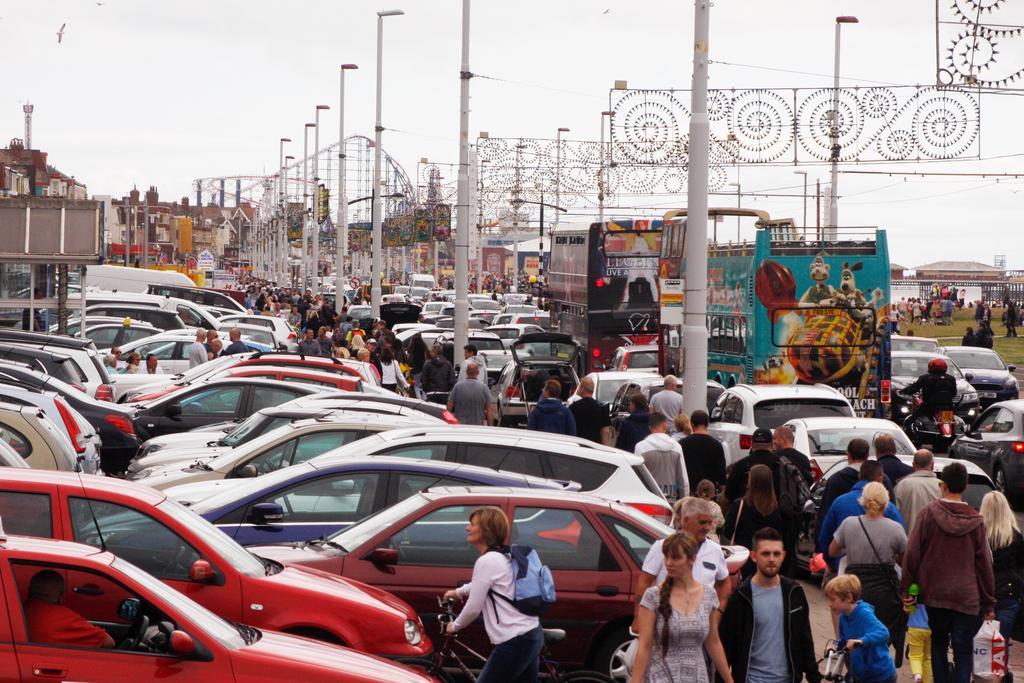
point(675, 545)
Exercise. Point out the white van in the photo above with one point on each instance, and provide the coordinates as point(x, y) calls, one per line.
point(422, 280)
point(126, 279)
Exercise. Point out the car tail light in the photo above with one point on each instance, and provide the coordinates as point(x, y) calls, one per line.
point(659, 512)
point(121, 422)
point(816, 472)
point(105, 392)
point(1018, 447)
point(746, 441)
point(291, 335)
point(449, 417)
point(71, 424)
point(886, 392)
point(512, 391)
point(596, 353)
point(599, 282)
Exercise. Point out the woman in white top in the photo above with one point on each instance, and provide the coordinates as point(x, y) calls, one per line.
point(517, 637)
point(391, 377)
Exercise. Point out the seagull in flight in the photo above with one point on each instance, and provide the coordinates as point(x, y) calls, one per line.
point(60, 33)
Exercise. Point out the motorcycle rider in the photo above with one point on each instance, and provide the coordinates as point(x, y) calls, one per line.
point(937, 387)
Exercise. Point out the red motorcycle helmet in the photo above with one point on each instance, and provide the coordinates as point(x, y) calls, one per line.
point(937, 366)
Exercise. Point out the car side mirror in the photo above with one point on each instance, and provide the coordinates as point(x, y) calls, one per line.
point(266, 514)
point(384, 559)
point(969, 376)
point(173, 411)
point(129, 609)
point(716, 414)
point(200, 572)
point(1011, 368)
point(182, 643)
point(248, 471)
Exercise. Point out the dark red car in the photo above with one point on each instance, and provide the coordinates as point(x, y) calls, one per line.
point(158, 633)
point(417, 549)
point(300, 374)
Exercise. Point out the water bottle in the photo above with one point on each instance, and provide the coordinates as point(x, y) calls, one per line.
point(913, 591)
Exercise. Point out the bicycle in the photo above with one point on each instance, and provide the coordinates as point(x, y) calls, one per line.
point(447, 663)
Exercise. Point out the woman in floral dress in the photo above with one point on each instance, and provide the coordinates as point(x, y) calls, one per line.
point(677, 621)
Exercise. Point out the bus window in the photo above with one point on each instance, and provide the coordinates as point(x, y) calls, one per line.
point(822, 326)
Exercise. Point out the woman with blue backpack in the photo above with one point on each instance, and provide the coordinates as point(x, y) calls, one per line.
point(511, 588)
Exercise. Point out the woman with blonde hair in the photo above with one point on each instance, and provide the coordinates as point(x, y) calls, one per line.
point(754, 511)
point(677, 622)
point(1007, 544)
point(517, 637)
point(874, 545)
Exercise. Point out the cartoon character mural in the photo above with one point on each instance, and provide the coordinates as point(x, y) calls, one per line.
point(826, 335)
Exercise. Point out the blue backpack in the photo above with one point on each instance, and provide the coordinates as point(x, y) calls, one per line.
point(534, 587)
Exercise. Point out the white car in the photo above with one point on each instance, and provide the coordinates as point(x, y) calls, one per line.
point(607, 383)
point(434, 307)
point(745, 407)
point(603, 471)
point(823, 439)
point(171, 348)
point(287, 445)
point(284, 336)
point(509, 333)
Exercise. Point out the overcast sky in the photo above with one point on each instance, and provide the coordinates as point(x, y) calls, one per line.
point(150, 92)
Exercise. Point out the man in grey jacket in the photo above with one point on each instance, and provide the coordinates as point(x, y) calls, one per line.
point(197, 350)
point(918, 488)
point(664, 458)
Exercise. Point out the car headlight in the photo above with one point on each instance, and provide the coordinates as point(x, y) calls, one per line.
point(904, 409)
point(969, 397)
point(412, 632)
point(151, 448)
point(1011, 383)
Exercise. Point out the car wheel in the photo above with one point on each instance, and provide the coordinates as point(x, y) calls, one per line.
point(610, 655)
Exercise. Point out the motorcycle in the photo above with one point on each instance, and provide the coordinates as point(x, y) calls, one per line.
point(937, 431)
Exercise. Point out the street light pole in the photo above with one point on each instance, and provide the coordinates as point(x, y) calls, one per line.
point(600, 177)
point(316, 198)
point(462, 218)
point(804, 174)
point(516, 205)
point(341, 229)
point(282, 195)
point(378, 251)
point(695, 336)
point(833, 207)
point(305, 205)
point(558, 192)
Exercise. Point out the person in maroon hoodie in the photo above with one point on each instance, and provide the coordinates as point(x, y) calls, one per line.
point(948, 557)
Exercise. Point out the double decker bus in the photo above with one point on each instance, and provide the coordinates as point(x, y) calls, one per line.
point(603, 283)
point(789, 308)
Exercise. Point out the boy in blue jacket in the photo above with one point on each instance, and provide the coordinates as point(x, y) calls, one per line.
point(865, 637)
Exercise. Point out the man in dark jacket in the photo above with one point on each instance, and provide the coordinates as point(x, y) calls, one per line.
point(885, 453)
point(634, 428)
point(766, 627)
point(948, 557)
point(760, 454)
point(438, 375)
point(782, 446)
point(843, 481)
point(550, 414)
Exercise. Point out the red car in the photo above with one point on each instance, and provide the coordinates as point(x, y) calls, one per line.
point(417, 549)
point(302, 375)
point(189, 554)
point(159, 634)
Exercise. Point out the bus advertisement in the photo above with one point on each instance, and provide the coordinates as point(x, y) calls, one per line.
point(790, 309)
point(603, 280)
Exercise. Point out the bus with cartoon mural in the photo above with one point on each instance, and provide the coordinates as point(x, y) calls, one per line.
point(602, 282)
point(793, 307)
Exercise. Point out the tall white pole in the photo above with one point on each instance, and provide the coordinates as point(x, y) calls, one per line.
point(378, 247)
point(305, 206)
point(341, 230)
point(316, 198)
point(463, 208)
point(695, 336)
point(282, 222)
point(516, 205)
point(833, 205)
point(600, 176)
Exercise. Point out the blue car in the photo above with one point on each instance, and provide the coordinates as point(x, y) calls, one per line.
point(987, 373)
point(307, 502)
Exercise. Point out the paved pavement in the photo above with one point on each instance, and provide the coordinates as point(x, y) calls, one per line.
point(821, 626)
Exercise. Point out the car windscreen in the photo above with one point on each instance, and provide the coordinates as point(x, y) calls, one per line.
point(544, 350)
point(505, 333)
point(642, 359)
point(360, 532)
point(485, 305)
point(775, 413)
point(256, 425)
point(978, 360)
point(915, 345)
point(915, 366)
point(607, 388)
point(487, 344)
point(834, 441)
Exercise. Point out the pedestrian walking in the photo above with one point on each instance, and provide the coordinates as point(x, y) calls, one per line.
point(849, 505)
point(236, 345)
point(668, 401)
point(703, 454)
point(757, 509)
point(550, 414)
point(857, 451)
point(681, 427)
point(782, 447)
point(874, 546)
point(216, 346)
point(663, 458)
point(918, 488)
point(678, 622)
point(958, 594)
point(984, 335)
point(470, 401)
point(885, 452)
point(760, 454)
point(197, 350)
point(860, 631)
point(471, 357)
point(634, 428)
point(969, 338)
point(437, 377)
point(593, 420)
point(766, 628)
point(326, 347)
point(308, 345)
point(1007, 546)
point(391, 376)
point(919, 644)
point(517, 638)
point(1010, 318)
